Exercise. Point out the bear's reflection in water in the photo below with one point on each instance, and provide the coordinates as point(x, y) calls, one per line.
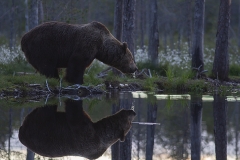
point(72, 133)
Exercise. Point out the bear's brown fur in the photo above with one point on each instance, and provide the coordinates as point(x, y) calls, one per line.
point(54, 45)
point(72, 133)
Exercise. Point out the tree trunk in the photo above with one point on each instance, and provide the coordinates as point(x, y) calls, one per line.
point(221, 58)
point(142, 22)
point(33, 14)
point(153, 33)
point(151, 116)
point(11, 40)
point(128, 23)
point(26, 16)
point(239, 24)
point(40, 12)
point(189, 26)
point(198, 37)
point(220, 126)
point(195, 127)
point(118, 18)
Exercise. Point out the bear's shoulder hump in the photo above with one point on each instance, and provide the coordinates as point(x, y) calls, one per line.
point(100, 26)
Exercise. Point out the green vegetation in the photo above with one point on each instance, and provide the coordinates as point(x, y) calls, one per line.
point(19, 74)
point(234, 70)
point(156, 70)
point(149, 84)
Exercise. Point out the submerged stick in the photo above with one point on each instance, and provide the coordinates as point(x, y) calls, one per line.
point(147, 123)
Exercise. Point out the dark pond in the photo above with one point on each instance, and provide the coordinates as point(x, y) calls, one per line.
point(165, 127)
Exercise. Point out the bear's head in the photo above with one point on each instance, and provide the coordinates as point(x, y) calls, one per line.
point(127, 62)
point(125, 117)
point(117, 54)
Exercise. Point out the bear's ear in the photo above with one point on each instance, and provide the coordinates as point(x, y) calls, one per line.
point(124, 45)
point(122, 137)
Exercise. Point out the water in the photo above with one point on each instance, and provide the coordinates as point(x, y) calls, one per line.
point(183, 126)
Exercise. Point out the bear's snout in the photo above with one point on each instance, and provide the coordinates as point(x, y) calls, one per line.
point(133, 113)
point(133, 68)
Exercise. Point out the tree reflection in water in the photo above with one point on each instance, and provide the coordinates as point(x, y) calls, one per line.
point(220, 126)
point(196, 126)
point(151, 117)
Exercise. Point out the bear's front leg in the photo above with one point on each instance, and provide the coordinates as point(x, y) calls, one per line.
point(75, 74)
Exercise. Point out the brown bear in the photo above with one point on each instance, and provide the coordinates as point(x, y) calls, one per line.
point(72, 133)
point(54, 45)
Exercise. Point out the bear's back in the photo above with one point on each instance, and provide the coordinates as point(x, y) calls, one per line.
point(60, 34)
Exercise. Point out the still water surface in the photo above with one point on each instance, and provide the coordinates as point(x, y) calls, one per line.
point(185, 126)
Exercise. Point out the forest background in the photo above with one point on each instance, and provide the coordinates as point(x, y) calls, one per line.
point(175, 24)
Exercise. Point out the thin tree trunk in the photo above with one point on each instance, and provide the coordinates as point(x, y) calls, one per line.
point(189, 26)
point(239, 24)
point(33, 14)
point(118, 25)
point(26, 16)
point(142, 21)
point(118, 19)
point(221, 58)
point(128, 23)
point(11, 41)
point(153, 33)
point(198, 37)
point(220, 126)
point(195, 127)
point(40, 12)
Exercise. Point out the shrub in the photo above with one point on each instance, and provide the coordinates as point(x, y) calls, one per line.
point(234, 70)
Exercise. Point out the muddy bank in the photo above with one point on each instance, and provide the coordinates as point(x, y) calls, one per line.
point(37, 91)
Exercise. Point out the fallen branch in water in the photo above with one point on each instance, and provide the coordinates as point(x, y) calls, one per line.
point(146, 123)
point(82, 90)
